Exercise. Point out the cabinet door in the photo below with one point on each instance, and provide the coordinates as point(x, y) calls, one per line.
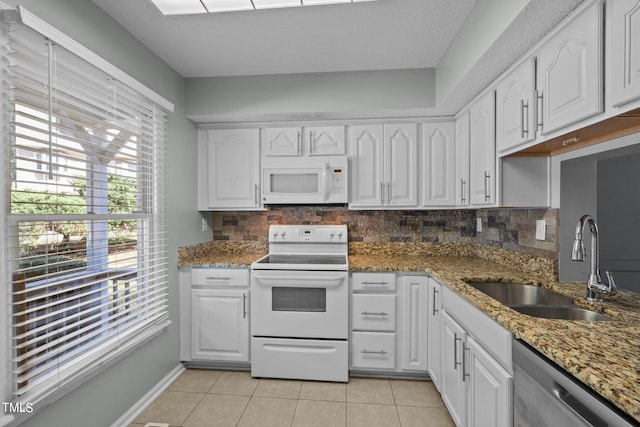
point(219, 325)
point(282, 141)
point(401, 165)
point(482, 152)
point(461, 184)
point(515, 107)
point(366, 169)
point(454, 393)
point(233, 168)
point(438, 163)
point(569, 80)
point(489, 389)
point(326, 140)
point(434, 306)
point(414, 323)
point(623, 26)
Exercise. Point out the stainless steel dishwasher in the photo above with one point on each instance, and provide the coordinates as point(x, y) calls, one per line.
point(546, 396)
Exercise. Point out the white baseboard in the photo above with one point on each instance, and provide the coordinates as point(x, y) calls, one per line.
point(135, 410)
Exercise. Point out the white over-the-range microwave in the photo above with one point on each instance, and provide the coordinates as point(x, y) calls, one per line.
point(308, 180)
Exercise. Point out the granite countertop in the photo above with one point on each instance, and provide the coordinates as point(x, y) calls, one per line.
point(603, 355)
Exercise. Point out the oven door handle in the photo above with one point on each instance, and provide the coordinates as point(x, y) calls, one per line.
point(300, 281)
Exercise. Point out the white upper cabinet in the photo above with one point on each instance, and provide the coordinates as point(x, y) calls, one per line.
point(623, 50)
point(229, 169)
point(569, 79)
point(462, 140)
point(401, 155)
point(384, 166)
point(515, 108)
point(326, 140)
point(282, 141)
point(438, 164)
point(298, 141)
point(367, 165)
point(482, 151)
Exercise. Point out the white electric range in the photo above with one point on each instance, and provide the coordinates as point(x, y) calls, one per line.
point(300, 304)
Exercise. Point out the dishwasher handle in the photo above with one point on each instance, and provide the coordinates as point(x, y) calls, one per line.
point(576, 407)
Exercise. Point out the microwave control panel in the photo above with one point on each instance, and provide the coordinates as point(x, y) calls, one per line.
point(337, 180)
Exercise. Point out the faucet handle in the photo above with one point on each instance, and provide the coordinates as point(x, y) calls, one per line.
point(613, 289)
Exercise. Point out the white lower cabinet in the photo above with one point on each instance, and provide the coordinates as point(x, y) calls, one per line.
point(489, 388)
point(414, 323)
point(214, 315)
point(476, 371)
point(434, 307)
point(388, 322)
point(219, 325)
point(454, 393)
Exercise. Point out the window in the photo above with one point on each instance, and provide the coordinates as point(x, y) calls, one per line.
point(86, 246)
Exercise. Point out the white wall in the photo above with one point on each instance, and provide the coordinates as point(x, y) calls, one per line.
point(486, 22)
point(311, 96)
point(104, 398)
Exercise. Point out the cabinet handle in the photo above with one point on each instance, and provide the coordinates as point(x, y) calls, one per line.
point(382, 192)
point(465, 374)
point(487, 182)
point(462, 184)
point(369, 313)
point(244, 306)
point(310, 142)
point(382, 283)
point(540, 105)
point(524, 114)
point(382, 352)
point(455, 350)
point(299, 143)
point(217, 278)
point(434, 310)
point(255, 194)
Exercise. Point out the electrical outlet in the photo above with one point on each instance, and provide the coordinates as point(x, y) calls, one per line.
point(478, 225)
point(541, 229)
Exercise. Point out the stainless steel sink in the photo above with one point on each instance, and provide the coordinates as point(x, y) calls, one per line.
point(565, 313)
point(536, 301)
point(518, 294)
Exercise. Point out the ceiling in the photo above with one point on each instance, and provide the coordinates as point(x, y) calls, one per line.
point(381, 35)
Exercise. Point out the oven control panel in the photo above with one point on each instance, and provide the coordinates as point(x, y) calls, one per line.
point(311, 234)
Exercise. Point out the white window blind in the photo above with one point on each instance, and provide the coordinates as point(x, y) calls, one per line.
point(86, 242)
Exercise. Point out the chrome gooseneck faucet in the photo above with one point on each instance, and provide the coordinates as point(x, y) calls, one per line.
point(594, 283)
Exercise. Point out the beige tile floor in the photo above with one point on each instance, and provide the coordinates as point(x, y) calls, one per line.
point(208, 398)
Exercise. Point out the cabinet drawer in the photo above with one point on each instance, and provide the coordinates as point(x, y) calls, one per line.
point(373, 350)
point(220, 277)
point(371, 312)
point(373, 281)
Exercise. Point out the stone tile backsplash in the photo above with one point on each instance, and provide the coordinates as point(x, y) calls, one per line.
point(512, 229)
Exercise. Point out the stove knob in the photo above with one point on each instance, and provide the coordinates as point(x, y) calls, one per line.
point(340, 235)
point(275, 236)
point(283, 234)
point(332, 235)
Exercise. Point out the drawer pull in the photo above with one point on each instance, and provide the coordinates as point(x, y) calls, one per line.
point(382, 352)
point(369, 313)
point(383, 283)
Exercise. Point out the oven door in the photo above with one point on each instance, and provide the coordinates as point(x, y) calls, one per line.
point(299, 304)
